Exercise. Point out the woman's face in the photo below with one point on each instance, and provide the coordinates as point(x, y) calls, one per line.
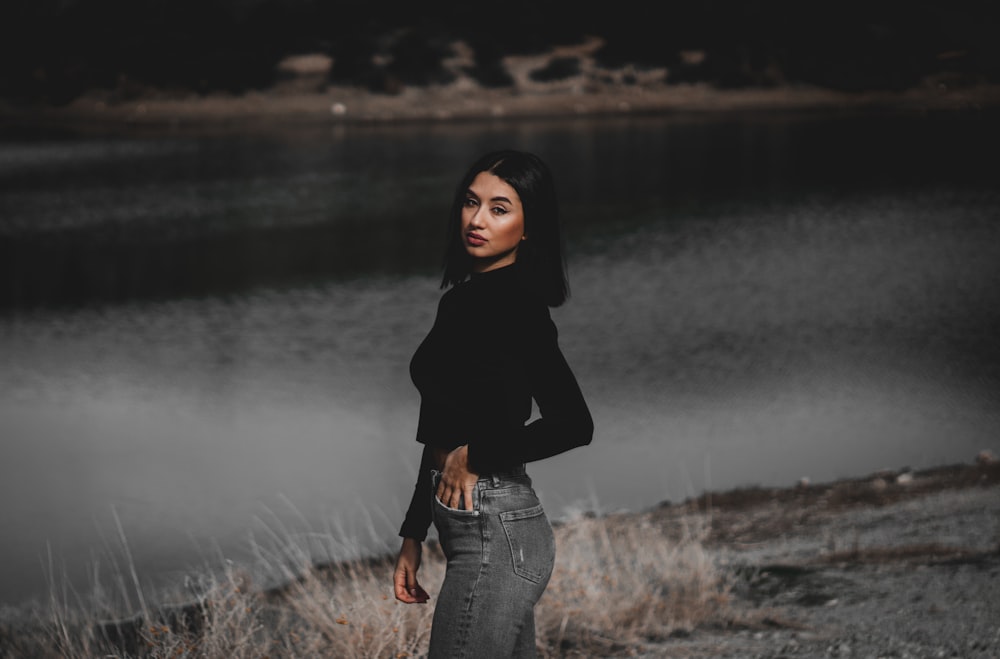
point(492, 222)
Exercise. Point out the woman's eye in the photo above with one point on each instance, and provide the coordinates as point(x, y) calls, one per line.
point(470, 202)
point(499, 210)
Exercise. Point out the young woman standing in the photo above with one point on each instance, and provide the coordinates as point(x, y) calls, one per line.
point(492, 350)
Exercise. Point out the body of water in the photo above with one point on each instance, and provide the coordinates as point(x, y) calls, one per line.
point(204, 340)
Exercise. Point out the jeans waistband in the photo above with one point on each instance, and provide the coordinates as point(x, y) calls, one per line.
point(509, 472)
point(516, 471)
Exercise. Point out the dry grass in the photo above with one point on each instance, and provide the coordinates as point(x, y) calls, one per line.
point(619, 583)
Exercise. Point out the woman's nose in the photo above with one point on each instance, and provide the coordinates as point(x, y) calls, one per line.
point(478, 219)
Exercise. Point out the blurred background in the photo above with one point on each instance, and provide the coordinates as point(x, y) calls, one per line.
point(56, 50)
point(205, 333)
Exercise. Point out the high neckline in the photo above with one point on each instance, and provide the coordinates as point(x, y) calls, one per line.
point(495, 272)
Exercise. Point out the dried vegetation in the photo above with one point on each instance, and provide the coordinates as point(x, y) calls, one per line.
point(618, 585)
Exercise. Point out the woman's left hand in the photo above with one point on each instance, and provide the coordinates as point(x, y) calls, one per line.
point(457, 482)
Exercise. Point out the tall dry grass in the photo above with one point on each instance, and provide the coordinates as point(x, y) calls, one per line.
point(618, 585)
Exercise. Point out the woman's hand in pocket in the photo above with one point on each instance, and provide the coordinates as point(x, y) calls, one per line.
point(457, 482)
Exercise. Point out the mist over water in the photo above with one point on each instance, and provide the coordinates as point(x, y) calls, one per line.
point(208, 338)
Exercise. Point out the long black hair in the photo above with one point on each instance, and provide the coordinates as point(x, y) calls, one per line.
point(540, 254)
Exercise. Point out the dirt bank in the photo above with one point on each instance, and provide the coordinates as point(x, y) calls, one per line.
point(287, 108)
point(897, 564)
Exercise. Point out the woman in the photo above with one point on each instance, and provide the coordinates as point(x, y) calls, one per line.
point(491, 351)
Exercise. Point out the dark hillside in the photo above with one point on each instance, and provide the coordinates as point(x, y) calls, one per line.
point(51, 51)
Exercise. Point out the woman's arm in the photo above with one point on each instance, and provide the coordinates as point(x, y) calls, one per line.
point(418, 517)
point(565, 421)
point(418, 514)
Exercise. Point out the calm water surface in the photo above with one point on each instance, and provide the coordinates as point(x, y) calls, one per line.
point(205, 339)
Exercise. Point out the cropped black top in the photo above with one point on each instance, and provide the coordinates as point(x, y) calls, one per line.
point(492, 350)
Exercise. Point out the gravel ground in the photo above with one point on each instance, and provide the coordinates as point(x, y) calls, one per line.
point(895, 565)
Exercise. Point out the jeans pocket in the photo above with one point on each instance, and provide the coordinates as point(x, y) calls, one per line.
point(532, 543)
point(438, 504)
point(458, 511)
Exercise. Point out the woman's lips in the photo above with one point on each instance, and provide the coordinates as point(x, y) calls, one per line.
point(475, 239)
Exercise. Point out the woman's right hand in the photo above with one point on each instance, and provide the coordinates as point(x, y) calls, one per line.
point(458, 482)
point(404, 579)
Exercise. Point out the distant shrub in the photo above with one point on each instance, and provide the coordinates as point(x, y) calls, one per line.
point(558, 68)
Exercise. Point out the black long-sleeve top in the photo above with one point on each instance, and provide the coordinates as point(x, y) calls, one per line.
point(492, 349)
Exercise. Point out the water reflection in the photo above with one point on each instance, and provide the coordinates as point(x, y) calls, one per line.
point(121, 218)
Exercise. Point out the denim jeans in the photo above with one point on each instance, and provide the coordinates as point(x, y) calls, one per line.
point(500, 557)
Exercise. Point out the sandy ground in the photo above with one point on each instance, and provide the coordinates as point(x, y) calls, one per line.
point(897, 564)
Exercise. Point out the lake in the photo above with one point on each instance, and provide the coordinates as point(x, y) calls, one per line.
point(205, 339)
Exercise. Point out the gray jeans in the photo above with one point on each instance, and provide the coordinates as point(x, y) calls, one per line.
point(500, 557)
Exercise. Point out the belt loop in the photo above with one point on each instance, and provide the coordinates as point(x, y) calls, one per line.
point(496, 480)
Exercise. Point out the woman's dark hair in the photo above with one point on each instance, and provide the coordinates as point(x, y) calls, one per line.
point(540, 254)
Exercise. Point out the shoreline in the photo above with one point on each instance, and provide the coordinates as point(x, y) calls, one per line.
point(279, 108)
point(894, 563)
